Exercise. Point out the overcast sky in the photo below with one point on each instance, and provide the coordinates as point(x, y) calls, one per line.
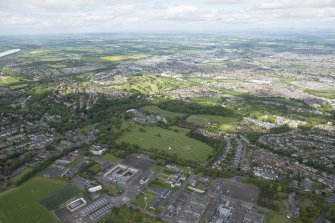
point(70, 16)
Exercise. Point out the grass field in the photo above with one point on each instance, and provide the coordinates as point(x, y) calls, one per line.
point(170, 141)
point(227, 124)
point(145, 199)
point(322, 93)
point(151, 84)
point(60, 196)
point(277, 218)
point(8, 80)
point(18, 86)
point(18, 177)
point(207, 101)
point(95, 168)
point(111, 157)
point(156, 110)
point(119, 58)
point(21, 204)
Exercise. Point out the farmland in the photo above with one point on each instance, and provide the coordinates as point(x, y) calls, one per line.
point(22, 203)
point(171, 141)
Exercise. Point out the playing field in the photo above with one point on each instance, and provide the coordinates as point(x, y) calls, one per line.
point(156, 110)
point(21, 204)
point(170, 141)
point(222, 123)
point(54, 200)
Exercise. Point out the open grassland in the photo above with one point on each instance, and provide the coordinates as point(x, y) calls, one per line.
point(221, 123)
point(145, 199)
point(8, 80)
point(156, 110)
point(21, 205)
point(18, 86)
point(207, 101)
point(277, 218)
point(151, 84)
point(128, 57)
point(322, 93)
point(170, 141)
point(112, 158)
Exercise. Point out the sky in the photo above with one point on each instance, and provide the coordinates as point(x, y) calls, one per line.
point(85, 16)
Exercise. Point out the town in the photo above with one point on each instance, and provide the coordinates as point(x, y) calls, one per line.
point(178, 129)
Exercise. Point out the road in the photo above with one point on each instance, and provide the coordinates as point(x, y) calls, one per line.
point(330, 203)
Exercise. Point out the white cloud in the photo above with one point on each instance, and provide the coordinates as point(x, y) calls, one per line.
point(17, 16)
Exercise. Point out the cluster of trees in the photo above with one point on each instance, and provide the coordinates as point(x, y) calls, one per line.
point(11, 162)
point(217, 144)
point(271, 193)
point(42, 166)
point(195, 108)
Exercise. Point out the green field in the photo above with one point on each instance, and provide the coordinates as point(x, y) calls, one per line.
point(21, 204)
point(120, 57)
point(60, 196)
point(18, 86)
point(111, 157)
point(170, 141)
point(145, 199)
point(8, 80)
point(156, 110)
point(207, 101)
point(221, 123)
point(95, 168)
point(277, 218)
point(151, 84)
point(322, 93)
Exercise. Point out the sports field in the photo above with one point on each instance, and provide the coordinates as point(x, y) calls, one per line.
point(222, 123)
point(171, 141)
point(21, 204)
point(156, 110)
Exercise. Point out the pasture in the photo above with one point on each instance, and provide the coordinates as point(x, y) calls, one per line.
point(21, 204)
point(171, 141)
point(221, 123)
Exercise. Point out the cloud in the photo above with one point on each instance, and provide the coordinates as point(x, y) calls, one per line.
point(21, 16)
